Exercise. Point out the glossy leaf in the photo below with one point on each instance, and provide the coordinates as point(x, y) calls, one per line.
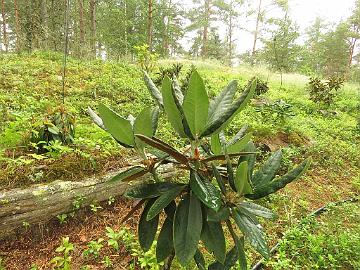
point(177, 90)
point(200, 260)
point(187, 228)
point(165, 243)
point(163, 201)
point(170, 210)
point(241, 180)
point(268, 170)
point(146, 123)
point(280, 182)
point(196, 104)
point(252, 232)
point(154, 91)
point(213, 237)
point(117, 126)
point(147, 229)
point(129, 175)
point(239, 145)
point(241, 133)
point(223, 117)
point(257, 210)
point(221, 215)
point(230, 261)
point(152, 190)
point(223, 100)
point(218, 178)
point(171, 108)
point(250, 158)
point(205, 191)
point(215, 144)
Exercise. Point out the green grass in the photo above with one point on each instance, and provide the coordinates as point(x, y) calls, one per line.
point(30, 85)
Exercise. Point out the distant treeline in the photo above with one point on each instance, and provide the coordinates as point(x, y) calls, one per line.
point(113, 28)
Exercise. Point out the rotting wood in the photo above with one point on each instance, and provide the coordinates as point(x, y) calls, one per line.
point(40, 203)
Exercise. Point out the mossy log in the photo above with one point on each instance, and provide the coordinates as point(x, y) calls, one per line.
point(40, 203)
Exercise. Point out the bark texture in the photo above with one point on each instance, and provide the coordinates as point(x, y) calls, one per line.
point(40, 203)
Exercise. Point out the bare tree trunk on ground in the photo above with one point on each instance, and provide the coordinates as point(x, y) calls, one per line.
point(40, 203)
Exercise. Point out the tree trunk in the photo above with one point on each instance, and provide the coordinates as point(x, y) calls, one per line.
point(256, 29)
point(204, 50)
point(93, 27)
point(18, 45)
point(45, 26)
point(150, 25)
point(5, 37)
point(230, 34)
point(81, 27)
point(40, 203)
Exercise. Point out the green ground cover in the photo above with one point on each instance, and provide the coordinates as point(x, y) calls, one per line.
point(30, 87)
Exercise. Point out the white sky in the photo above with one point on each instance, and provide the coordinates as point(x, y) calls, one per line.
point(303, 12)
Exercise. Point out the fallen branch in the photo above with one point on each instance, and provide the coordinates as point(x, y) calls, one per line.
point(40, 203)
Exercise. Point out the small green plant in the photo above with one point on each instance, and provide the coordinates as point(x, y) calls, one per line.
point(324, 92)
point(171, 72)
point(77, 203)
point(261, 87)
point(93, 248)
point(114, 238)
point(2, 264)
point(95, 207)
point(63, 262)
point(26, 225)
point(111, 200)
point(276, 112)
point(37, 176)
point(107, 262)
point(58, 125)
point(145, 58)
point(220, 181)
point(62, 218)
point(33, 267)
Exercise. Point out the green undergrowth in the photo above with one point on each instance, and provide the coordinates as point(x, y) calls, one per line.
point(30, 86)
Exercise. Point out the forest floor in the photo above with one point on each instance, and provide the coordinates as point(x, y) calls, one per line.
point(30, 88)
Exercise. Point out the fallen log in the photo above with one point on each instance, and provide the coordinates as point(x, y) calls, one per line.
point(40, 203)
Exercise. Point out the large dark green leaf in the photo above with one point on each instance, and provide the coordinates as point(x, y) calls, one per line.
point(146, 123)
point(196, 104)
point(163, 147)
point(152, 190)
point(215, 144)
point(241, 182)
point(187, 228)
point(177, 90)
point(154, 91)
point(223, 117)
point(147, 229)
point(221, 215)
point(171, 109)
point(239, 135)
point(129, 174)
point(250, 147)
point(218, 178)
point(223, 157)
point(268, 170)
point(239, 145)
point(252, 232)
point(230, 261)
point(205, 190)
point(117, 126)
point(223, 100)
point(213, 237)
point(165, 243)
point(257, 210)
point(200, 260)
point(280, 182)
point(163, 201)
